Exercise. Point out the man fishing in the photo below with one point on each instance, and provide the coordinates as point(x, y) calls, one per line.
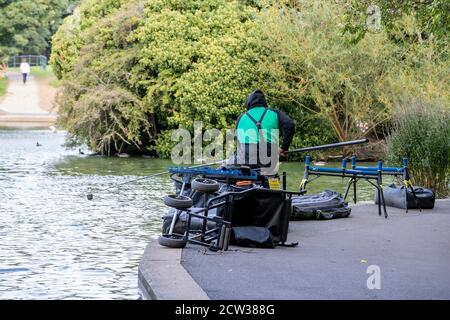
point(258, 131)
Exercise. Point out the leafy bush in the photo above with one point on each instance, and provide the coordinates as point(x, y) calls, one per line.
point(422, 134)
point(200, 59)
point(66, 45)
point(98, 104)
point(134, 70)
point(431, 16)
point(76, 32)
point(174, 62)
point(314, 65)
point(312, 60)
point(3, 85)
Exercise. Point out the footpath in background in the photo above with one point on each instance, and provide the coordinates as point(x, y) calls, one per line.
point(20, 106)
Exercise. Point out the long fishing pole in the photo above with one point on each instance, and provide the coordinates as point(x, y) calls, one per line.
point(328, 146)
point(90, 196)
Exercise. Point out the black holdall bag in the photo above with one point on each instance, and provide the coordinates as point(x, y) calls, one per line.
point(323, 206)
point(398, 197)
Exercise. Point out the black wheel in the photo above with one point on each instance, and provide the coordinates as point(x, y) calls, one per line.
point(171, 242)
point(204, 185)
point(177, 202)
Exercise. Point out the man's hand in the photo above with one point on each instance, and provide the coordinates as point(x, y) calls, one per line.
point(282, 154)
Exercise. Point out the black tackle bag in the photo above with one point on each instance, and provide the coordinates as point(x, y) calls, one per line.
point(398, 197)
point(323, 206)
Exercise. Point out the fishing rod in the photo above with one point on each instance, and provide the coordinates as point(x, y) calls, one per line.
point(90, 196)
point(328, 146)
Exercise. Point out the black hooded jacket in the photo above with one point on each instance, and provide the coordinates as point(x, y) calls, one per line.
point(285, 123)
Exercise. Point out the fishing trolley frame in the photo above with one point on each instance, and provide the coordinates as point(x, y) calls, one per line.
point(218, 237)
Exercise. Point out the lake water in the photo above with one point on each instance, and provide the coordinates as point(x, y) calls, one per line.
point(55, 244)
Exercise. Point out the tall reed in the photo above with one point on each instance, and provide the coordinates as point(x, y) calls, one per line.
point(421, 132)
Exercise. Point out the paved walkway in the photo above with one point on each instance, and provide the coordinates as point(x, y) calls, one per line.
point(20, 106)
point(412, 251)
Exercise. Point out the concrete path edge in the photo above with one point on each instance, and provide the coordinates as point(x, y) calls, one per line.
point(162, 277)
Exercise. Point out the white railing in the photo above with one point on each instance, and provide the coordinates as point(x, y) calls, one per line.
point(33, 60)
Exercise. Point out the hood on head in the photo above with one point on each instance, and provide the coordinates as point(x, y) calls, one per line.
point(256, 99)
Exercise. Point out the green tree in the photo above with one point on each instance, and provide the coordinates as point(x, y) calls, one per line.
point(26, 26)
point(312, 65)
point(133, 71)
point(432, 17)
point(170, 62)
point(201, 60)
point(94, 56)
point(353, 86)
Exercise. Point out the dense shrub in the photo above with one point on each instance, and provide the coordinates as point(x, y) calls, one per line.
point(422, 134)
point(314, 65)
point(26, 26)
point(175, 62)
point(66, 45)
point(343, 83)
point(200, 58)
point(94, 55)
point(134, 70)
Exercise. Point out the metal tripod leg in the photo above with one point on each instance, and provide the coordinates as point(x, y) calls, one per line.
point(384, 203)
point(380, 198)
point(349, 183)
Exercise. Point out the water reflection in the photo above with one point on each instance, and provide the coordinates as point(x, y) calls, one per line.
point(54, 244)
point(87, 165)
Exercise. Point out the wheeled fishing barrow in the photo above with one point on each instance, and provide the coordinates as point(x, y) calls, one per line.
point(210, 202)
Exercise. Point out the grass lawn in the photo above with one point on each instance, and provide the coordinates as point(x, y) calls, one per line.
point(3, 86)
point(47, 73)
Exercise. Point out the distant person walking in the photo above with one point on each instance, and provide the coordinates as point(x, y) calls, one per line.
point(25, 70)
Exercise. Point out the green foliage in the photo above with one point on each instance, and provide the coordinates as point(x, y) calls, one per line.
point(432, 18)
point(26, 26)
point(181, 60)
point(422, 134)
point(200, 59)
point(74, 33)
point(173, 62)
point(46, 74)
point(312, 65)
point(66, 45)
point(98, 104)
